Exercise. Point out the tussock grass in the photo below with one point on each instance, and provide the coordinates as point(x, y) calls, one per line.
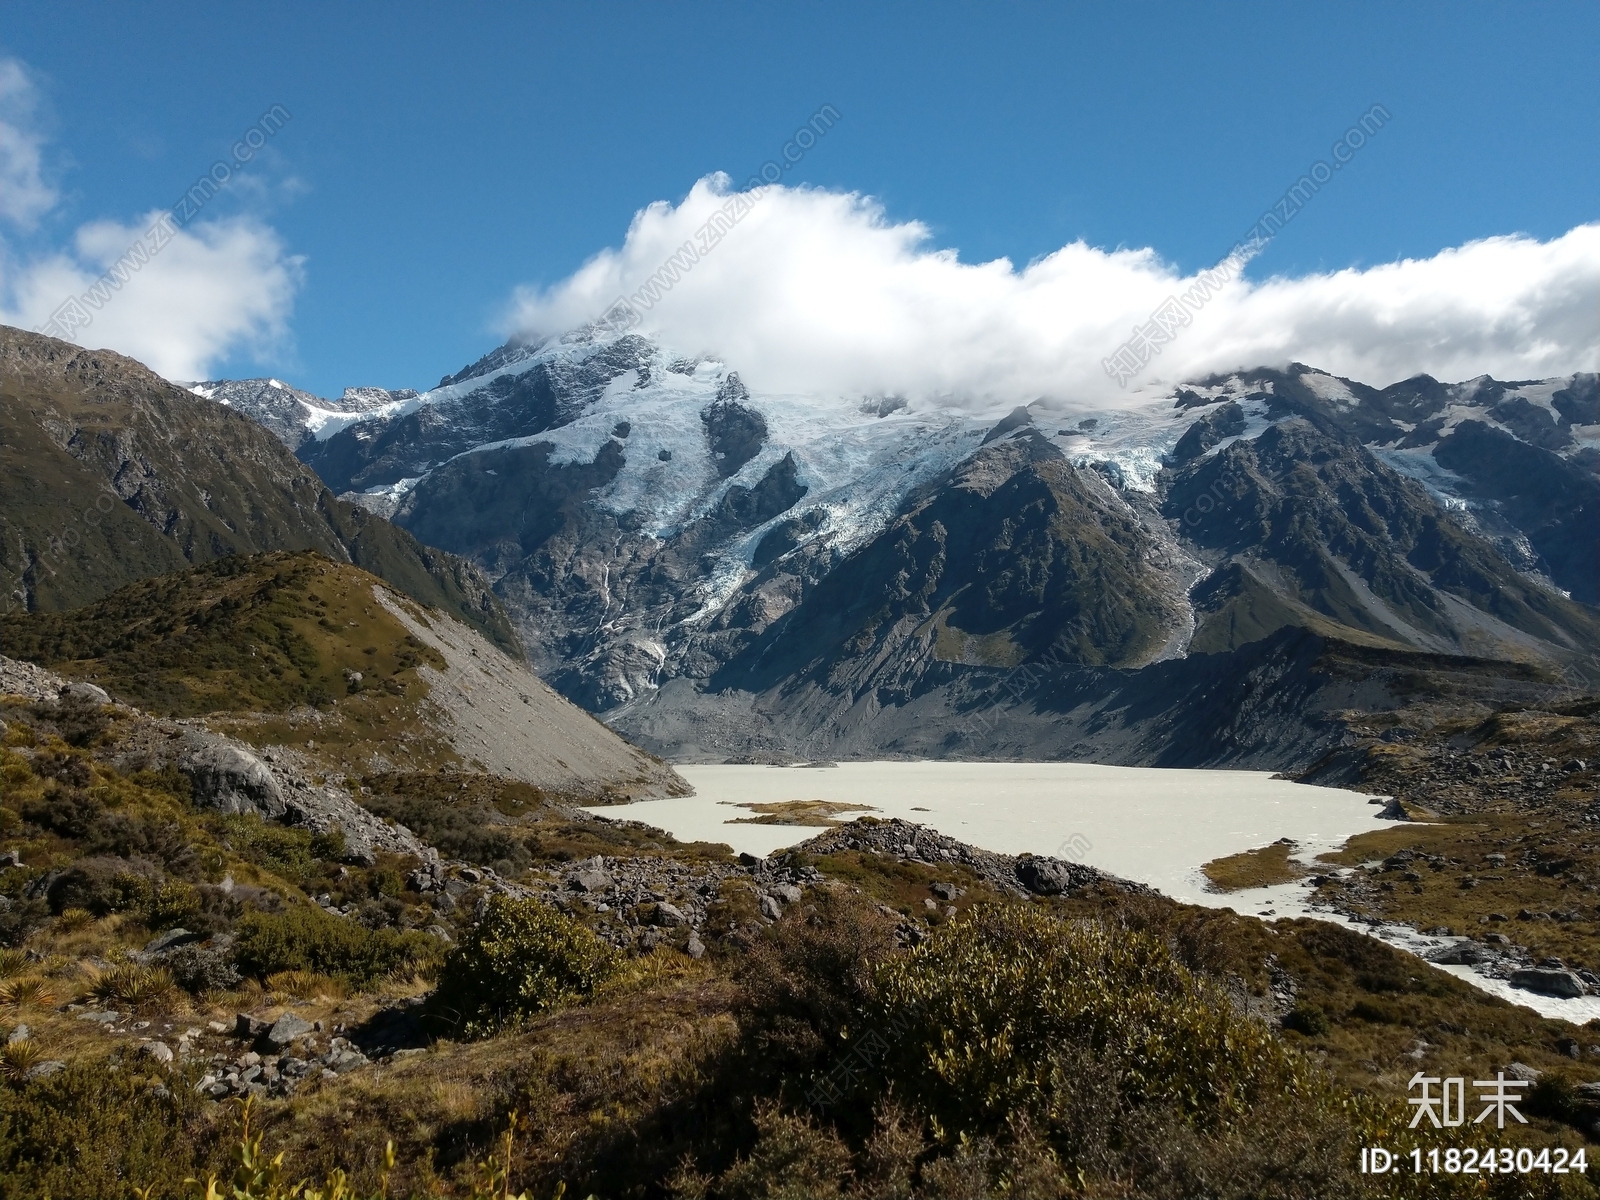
point(1262, 867)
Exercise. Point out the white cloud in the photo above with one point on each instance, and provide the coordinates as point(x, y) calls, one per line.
point(819, 291)
point(217, 287)
point(24, 194)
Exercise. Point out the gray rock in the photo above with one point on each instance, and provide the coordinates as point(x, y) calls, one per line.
point(1465, 954)
point(440, 932)
point(670, 914)
point(591, 880)
point(285, 1030)
point(47, 1068)
point(945, 891)
point(786, 892)
point(101, 1018)
point(20, 1034)
point(232, 780)
point(1524, 1072)
point(696, 949)
point(1549, 983)
point(159, 1051)
point(770, 908)
point(86, 691)
point(1043, 876)
point(172, 937)
point(345, 1061)
point(246, 1026)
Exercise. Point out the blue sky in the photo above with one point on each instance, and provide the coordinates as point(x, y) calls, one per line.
point(439, 158)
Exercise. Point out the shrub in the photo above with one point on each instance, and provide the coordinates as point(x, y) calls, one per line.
point(1011, 1013)
point(104, 885)
point(12, 962)
point(805, 980)
point(86, 1132)
point(197, 969)
point(68, 812)
point(78, 719)
point(522, 958)
point(308, 939)
point(1307, 1019)
point(278, 848)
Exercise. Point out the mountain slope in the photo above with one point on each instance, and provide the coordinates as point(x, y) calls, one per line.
point(294, 650)
point(1328, 531)
point(111, 474)
point(807, 571)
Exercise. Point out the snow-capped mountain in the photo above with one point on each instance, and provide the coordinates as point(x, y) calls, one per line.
point(677, 551)
point(295, 417)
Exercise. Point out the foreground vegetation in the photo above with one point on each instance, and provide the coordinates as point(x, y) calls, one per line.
point(899, 1028)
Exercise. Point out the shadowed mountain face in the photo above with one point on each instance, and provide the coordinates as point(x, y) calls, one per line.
point(110, 474)
point(1317, 532)
point(1015, 556)
point(680, 553)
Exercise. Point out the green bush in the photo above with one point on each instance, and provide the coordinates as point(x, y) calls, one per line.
point(277, 848)
point(522, 958)
point(1307, 1019)
point(308, 939)
point(84, 1132)
point(1011, 1013)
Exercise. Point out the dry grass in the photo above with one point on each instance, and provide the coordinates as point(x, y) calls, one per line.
point(1261, 867)
point(799, 812)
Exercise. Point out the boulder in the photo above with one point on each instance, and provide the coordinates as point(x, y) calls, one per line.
point(343, 1061)
point(696, 949)
point(232, 780)
point(284, 1031)
point(1043, 876)
point(670, 914)
point(770, 908)
point(85, 691)
point(1463, 954)
point(591, 879)
point(160, 1051)
point(788, 893)
point(1564, 984)
point(169, 939)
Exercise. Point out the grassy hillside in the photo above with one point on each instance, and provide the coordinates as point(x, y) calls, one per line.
point(109, 474)
point(865, 1044)
point(264, 633)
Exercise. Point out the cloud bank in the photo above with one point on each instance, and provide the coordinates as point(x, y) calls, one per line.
point(217, 287)
point(24, 194)
point(818, 291)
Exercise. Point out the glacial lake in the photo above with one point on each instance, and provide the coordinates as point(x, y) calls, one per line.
point(1155, 825)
